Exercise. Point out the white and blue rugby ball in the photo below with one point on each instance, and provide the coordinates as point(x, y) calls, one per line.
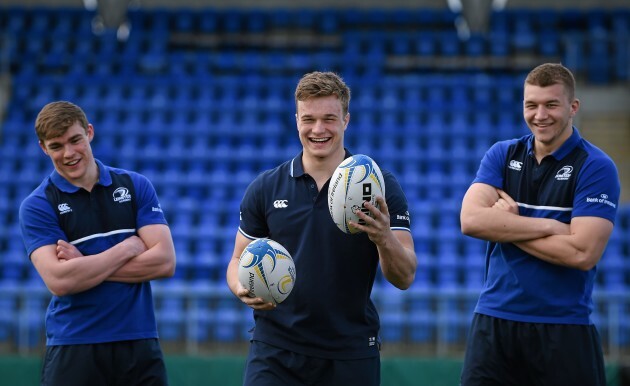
point(356, 180)
point(267, 270)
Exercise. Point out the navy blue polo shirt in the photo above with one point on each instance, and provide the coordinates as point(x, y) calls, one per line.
point(329, 313)
point(578, 179)
point(120, 203)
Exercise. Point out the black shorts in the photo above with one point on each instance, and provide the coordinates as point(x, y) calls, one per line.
point(272, 366)
point(507, 353)
point(126, 363)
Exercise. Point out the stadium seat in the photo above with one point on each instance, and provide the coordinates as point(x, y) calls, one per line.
point(475, 46)
point(613, 265)
point(171, 315)
point(524, 33)
point(30, 321)
point(14, 261)
point(452, 324)
point(425, 43)
point(448, 267)
point(499, 45)
point(391, 306)
point(449, 44)
point(227, 322)
point(8, 317)
point(549, 43)
point(437, 98)
point(421, 314)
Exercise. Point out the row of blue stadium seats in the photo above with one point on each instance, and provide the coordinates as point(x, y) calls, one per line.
point(601, 39)
point(242, 126)
point(438, 173)
point(257, 83)
point(197, 218)
point(67, 21)
point(210, 236)
point(184, 192)
point(220, 164)
point(439, 115)
point(421, 92)
point(146, 51)
point(447, 259)
point(225, 166)
point(245, 118)
point(208, 159)
point(187, 313)
point(170, 176)
point(603, 60)
point(233, 326)
point(173, 186)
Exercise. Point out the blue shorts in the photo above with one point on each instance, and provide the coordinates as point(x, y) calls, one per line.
point(272, 366)
point(502, 352)
point(126, 363)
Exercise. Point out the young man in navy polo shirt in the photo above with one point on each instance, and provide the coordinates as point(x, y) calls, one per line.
point(96, 236)
point(546, 203)
point(326, 331)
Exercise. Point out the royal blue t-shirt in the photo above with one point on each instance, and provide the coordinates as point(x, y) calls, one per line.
point(576, 180)
point(119, 204)
point(329, 313)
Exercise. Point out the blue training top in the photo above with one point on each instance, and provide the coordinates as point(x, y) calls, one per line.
point(576, 180)
point(329, 313)
point(119, 204)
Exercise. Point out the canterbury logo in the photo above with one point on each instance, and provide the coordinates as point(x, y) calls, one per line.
point(64, 208)
point(280, 203)
point(515, 165)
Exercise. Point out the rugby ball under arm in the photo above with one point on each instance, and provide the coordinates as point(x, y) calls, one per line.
point(267, 270)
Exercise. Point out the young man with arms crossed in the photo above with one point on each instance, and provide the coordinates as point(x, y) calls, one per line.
point(97, 236)
point(546, 204)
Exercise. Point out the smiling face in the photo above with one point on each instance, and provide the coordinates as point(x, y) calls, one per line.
point(321, 124)
point(548, 112)
point(71, 155)
point(322, 100)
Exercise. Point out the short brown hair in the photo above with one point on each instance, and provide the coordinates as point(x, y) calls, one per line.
point(56, 117)
point(322, 84)
point(548, 74)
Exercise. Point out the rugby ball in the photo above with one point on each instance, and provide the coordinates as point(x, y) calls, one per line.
point(356, 180)
point(267, 270)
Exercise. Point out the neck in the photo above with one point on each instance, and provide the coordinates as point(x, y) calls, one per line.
point(542, 149)
point(90, 179)
point(321, 168)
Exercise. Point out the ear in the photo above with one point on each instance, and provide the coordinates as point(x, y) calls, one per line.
point(575, 107)
point(346, 120)
point(90, 132)
point(43, 147)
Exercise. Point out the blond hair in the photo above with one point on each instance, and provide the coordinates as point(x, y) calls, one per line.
point(322, 84)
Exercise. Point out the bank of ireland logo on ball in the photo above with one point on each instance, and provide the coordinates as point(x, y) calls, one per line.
point(356, 180)
point(267, 270)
